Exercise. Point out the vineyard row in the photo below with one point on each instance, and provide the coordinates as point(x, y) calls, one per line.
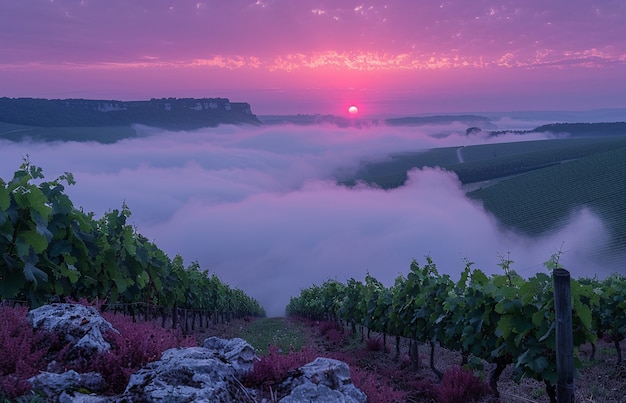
point(500, 319)
point(52, 251)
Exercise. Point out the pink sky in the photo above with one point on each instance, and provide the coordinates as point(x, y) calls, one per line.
point(320, 56)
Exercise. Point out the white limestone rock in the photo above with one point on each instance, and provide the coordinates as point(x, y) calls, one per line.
point(322, 380)
point(79, 325)
point(195, 374)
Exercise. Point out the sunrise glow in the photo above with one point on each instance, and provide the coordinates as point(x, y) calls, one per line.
point(401, 57)
point(353, 110)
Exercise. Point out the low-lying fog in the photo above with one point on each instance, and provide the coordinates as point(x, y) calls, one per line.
point(260, 207)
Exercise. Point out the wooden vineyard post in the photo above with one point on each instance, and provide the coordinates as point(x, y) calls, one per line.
point(564, 336)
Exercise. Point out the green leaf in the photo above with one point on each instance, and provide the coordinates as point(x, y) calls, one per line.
point(475, 363)
point(142, 279)
point(41, 226)
point(22, 248)
point(538, 365)
point(508, 306)
point(11, 280)
point(506, 325)
point(538, 317)
point(62, 205)
point(70, 272)
point(122, 283)
point(35, 240)
point(38, 202)
point(548, 333)
point(478, 277)
point(5, 199)
point(584, 313)
point(129, 242)
point(59, 247)
point(32, 273)
point(11, 262)
point(496, 352)
point(530, 290)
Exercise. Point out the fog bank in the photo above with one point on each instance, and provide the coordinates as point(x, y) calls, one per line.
point(260, 207)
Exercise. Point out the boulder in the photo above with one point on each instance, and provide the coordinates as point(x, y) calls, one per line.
point(52, 385)
point(79, 325)
point(237, 352)
point(77, 397)
point(195, 374)
point(323, 380)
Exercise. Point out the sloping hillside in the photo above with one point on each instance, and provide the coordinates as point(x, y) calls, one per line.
point(530, 186)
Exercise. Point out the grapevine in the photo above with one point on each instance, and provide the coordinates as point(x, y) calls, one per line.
point(53, 251)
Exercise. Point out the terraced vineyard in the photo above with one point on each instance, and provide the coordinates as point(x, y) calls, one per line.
point(484, 162)
point(391, 173)
point(542, 200)
point(531, 186)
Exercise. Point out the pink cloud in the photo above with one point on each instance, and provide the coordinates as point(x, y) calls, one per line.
point(91, 32)
point(132, 50)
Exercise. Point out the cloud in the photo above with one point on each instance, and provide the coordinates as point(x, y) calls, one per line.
point(90, 32)
point(454, 56)
point(260, 207)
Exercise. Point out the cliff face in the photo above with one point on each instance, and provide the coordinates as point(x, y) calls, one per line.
point(168, 113)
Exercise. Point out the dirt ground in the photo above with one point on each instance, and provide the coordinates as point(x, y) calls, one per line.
point(601, 380)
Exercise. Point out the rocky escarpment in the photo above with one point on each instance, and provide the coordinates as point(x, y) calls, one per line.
point(166, 113)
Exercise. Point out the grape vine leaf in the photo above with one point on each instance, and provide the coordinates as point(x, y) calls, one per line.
point(32, 273)
point(5, 200)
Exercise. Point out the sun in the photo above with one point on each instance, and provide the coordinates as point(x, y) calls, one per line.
point(353, 110)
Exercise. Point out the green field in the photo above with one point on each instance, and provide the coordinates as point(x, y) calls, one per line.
point(530, 186)
point(542, 200)
point(484, 162)
point(105, 135)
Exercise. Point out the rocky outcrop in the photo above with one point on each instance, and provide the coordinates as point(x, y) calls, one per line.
point(166, 113)
point(198, 374)
point(323, 380)
point(211, 373)
point(80, 326)
point(51, 384)
point(235, 351)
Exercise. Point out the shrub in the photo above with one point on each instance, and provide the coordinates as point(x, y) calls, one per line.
point(137, 344)
point(374, 388)
point(374, 344)
point(274, 367)
point(22, 352)
point(368, 378)
point(327, 326)
point(334, 336)
point(332, 330)
point(460, 385)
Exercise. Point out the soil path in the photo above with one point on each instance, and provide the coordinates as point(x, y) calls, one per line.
point(376, 368)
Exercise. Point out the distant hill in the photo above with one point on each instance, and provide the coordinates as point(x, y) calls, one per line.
point(542, 200)
point(305, 120)
point(596, 129)
point(470, 120)
point(564, 116)
point(317, 119)
point(531, 186)
point(585, 129)
point(166, 113)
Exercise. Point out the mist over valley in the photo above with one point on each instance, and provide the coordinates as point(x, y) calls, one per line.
point(266, 207)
